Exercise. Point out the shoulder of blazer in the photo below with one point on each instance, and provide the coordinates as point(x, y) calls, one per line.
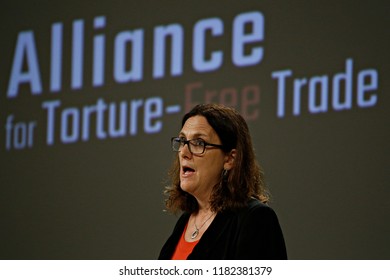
point(170, 245)
point(254, 207)
point(258, 213)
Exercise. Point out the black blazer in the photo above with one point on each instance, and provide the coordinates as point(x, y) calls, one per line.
point(251, 233)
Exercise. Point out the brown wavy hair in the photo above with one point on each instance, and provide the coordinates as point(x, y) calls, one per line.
point(244, 181)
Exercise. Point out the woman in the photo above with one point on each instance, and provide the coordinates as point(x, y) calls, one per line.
point(219, 186)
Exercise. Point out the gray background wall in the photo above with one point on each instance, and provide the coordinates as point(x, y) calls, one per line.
point(101, 197)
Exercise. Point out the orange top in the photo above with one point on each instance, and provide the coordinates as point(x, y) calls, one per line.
point(183, 248)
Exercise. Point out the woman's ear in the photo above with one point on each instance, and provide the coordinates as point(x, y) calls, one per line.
point(229, 159)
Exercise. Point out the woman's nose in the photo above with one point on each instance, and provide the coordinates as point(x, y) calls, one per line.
point(185, 151)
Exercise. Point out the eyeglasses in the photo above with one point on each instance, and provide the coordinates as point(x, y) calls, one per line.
point(195, 146)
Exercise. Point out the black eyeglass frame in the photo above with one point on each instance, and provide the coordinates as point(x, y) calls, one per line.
point(188, 142)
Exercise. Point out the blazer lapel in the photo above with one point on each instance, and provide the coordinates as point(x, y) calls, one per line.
point(210, 237)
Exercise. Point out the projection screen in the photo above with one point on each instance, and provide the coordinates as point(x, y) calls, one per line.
point(92, 91)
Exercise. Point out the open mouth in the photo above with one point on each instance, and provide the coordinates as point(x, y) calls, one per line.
point(187, 170)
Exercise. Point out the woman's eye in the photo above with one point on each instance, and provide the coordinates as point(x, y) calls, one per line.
point(199, 142)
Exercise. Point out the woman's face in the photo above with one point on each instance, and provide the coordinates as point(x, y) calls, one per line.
point(200, 173)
